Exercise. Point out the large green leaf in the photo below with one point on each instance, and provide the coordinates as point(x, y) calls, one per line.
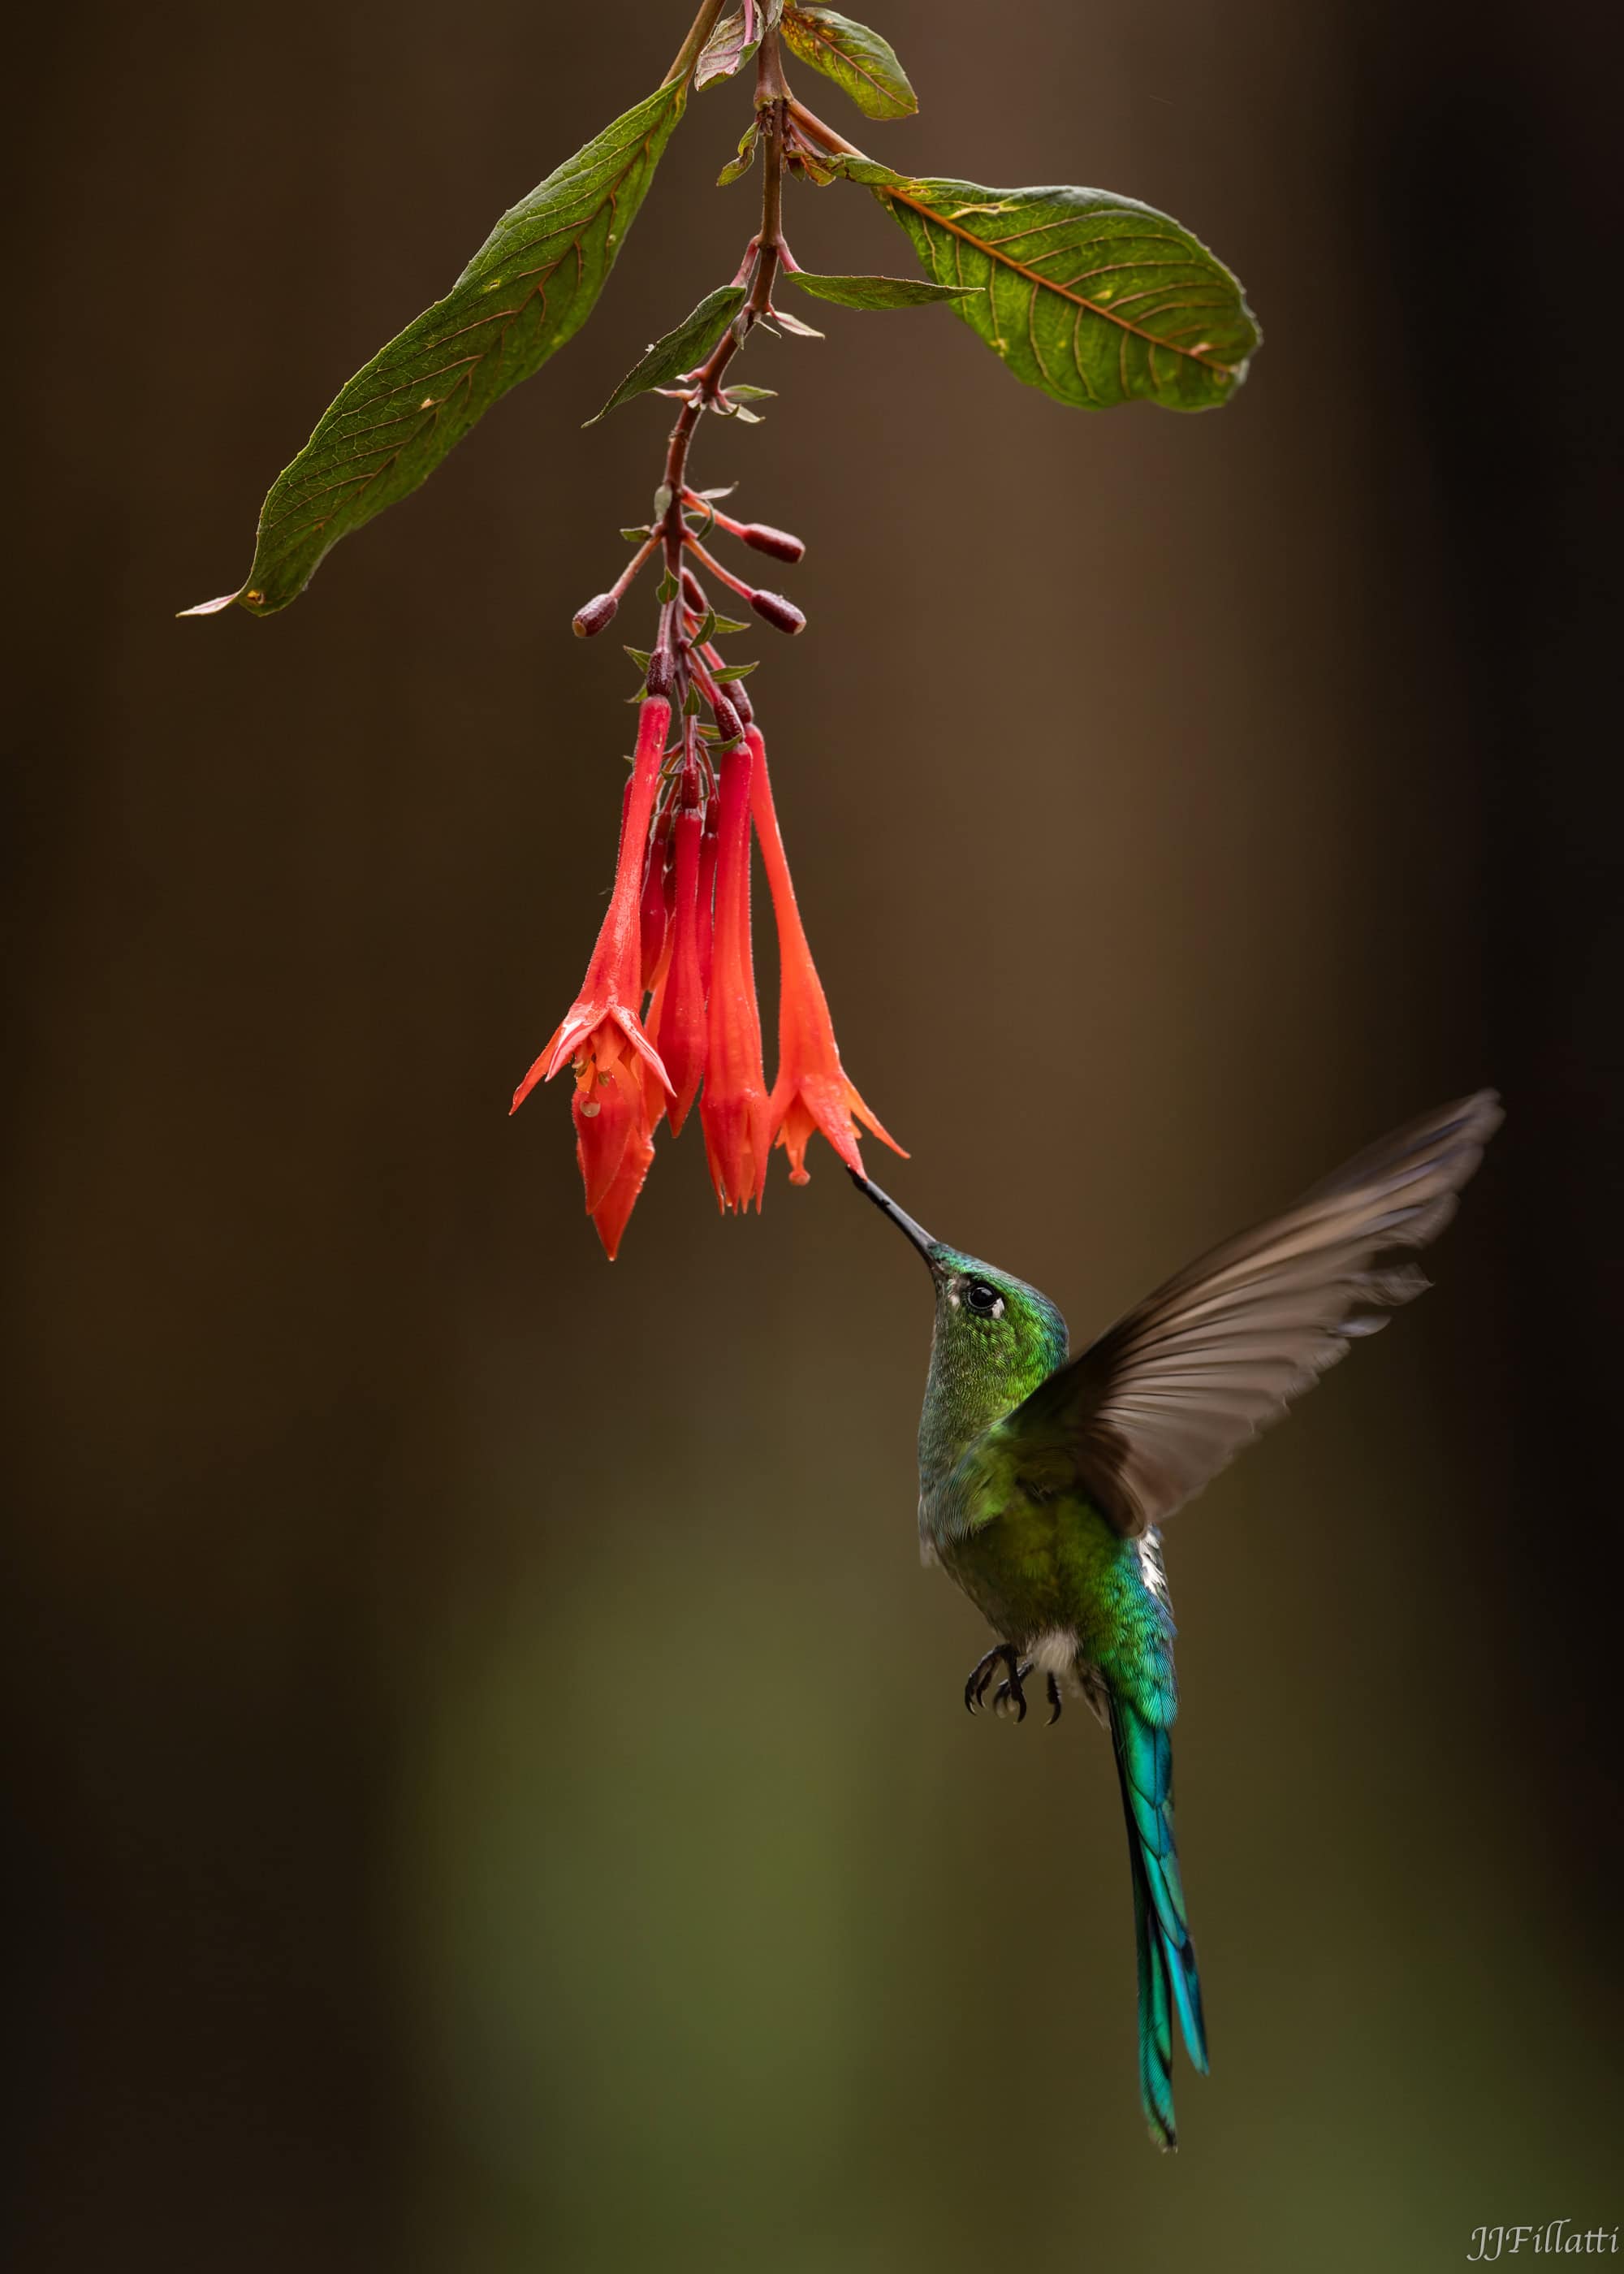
point(670, 356)
point(855, 57)
point(530, 287)
point(876, 292)
point(1095, 298)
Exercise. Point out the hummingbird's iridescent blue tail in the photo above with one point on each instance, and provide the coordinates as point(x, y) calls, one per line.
point(1166, 1954)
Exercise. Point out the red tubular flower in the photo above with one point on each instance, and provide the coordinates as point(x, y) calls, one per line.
point(734, 1109)
point(602, 1036)
point(707, 896)
point(652, 908)
point(812, 1091)
point(612, 993)
point(682, 1009)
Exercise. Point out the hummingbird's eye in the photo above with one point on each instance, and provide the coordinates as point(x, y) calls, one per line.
point(985, 1301)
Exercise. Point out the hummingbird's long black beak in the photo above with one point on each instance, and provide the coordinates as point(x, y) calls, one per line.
point(904, 1223)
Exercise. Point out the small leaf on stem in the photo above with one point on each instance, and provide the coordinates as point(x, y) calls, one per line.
point(878, 292)
point(673, 355)
point(737, 167)
point(732, 43)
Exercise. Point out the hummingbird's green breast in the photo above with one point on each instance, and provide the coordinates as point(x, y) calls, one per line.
point(1052, 1577)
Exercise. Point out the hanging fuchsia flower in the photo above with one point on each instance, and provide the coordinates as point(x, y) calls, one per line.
point(682, 1036)
point(812, 1091)
point(612, 993)
point(668, 1014)
point(734, 1107)
point(602, 1035)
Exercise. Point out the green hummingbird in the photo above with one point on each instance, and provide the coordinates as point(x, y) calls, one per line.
point(1044, 1479)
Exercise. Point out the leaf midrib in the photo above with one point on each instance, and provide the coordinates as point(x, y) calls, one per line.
point(817, 32)
point(1047, 284)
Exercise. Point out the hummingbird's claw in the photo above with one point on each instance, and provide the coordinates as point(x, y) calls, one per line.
point(1009, 1696)
point(1055, 1703)
point(1001, 1653)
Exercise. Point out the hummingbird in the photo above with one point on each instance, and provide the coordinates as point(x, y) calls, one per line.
point(1045, 1479)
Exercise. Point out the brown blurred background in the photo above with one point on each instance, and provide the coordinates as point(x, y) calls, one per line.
point(490, 1787)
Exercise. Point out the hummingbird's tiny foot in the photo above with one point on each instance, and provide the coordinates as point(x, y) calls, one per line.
point(1055, 1703)
point(1009, 1697)
point(1001, 1653)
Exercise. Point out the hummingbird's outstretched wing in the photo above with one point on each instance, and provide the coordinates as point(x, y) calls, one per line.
point(1153, 1408)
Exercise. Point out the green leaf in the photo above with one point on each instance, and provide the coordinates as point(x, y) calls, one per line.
point(742, 391)
point(812, 166)
point(727, 627)
point(1095, 298)
point(855, 57)
point(725, 51)
point(736, 169)
point(530, 287)
point(876, 292)
point(670, 357)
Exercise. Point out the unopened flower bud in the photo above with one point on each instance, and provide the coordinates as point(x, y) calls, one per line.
point(778, 542)
point(596, 615)
point(661, 674)
point(693, 591)
point(734, 691)
point(774, 609)
point(727, 718)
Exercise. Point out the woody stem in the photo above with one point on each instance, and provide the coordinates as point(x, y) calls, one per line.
point(699, 32)
point(811, 124)
point(771, 103)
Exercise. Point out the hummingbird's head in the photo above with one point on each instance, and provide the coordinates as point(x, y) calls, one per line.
point(998, 1326)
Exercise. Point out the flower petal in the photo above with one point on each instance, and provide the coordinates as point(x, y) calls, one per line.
point(610, 1216)
point(608, 1110)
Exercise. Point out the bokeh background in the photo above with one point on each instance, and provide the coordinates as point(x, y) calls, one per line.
point(491, 1790)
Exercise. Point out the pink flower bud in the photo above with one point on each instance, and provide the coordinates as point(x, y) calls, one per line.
point(595, 615)
point(774, 609)
point(778, 542)
point(661, 674)
point(727, 718)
